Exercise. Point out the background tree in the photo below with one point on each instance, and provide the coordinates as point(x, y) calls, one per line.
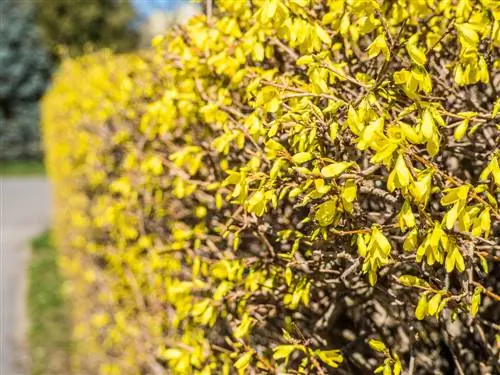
point(160, 20)
point(24, 74)
point(75, 24)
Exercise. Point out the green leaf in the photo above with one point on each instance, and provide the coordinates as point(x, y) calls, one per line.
point(433, 304)
point(428, 126)
point(461, 129)
point(406, 218)
point(416, 54)
point(171, 353)
point(377, 345)
point(331, 357)
point(269, 9)
point(284, 351)
point(450, 218)
point(257, 203)
point(377, 46)
point(258, 52)
point(432, 145)
point(410, 242)
point(400, 176)
point(361, 246)
point(410, 133)
point(302, 157)
point(421, 310)
point(305, 60)
point(288, 276)
point(459, 261)
point(381, 242)
point(476, 301)
point(484, 264)
point(322, 34)
point(326, 212)
point(454, 195)
point(244, 327)
point(485, 219)
point(349, 191)
point(387, 369)
point(243, 362)
point(496, 108)
point(398, 367)
point(442, 304)
point(467, 35)
point(334, 128)
point(449, 263)
point(409, 280)
point(335, 169)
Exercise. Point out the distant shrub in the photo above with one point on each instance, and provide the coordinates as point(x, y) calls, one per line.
point(24, 74)
point(78, 26)
point(293, 186)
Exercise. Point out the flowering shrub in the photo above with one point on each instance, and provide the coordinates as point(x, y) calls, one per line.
point(288, 186)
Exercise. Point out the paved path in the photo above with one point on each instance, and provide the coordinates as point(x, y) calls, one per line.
point(24, 212)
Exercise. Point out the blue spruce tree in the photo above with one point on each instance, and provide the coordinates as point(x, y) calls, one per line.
point(25, 69)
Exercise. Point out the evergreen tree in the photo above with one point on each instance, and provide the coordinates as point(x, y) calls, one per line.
point(24, 74)
point(76, 24)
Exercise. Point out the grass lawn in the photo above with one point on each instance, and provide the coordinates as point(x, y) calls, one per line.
point(21, 168)
point(49, 332)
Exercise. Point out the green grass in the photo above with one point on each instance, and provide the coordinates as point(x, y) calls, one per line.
point(21, 168)
point(49, 332)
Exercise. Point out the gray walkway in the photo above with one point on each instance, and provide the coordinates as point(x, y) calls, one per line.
point(24, 212)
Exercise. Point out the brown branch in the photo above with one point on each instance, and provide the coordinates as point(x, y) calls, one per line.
point(488, 292)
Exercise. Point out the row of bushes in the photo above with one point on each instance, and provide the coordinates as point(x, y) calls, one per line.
point(288, 186)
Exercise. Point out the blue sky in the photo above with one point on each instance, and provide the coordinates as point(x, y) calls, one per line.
point(146, 7)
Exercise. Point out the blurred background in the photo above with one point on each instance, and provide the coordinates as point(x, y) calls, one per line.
point(35, 35)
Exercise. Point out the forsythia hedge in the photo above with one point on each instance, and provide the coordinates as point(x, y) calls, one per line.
point(288, 186)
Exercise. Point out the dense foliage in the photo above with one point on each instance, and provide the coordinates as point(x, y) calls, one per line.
point(77, 25)
point(290, 186)
point(24, 74)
